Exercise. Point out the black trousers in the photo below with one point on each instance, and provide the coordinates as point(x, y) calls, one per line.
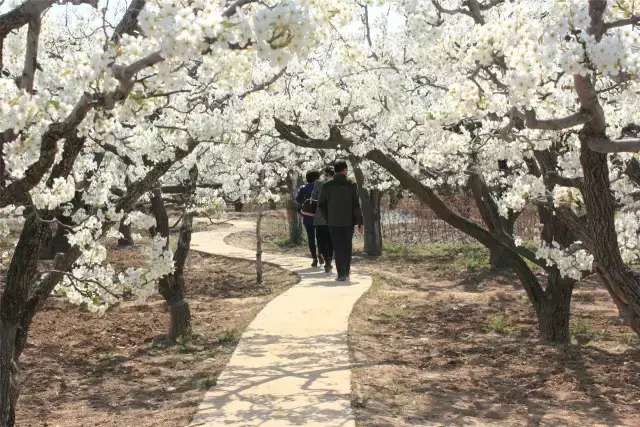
point(342, 238)
point(325, 247)
point(311, 237)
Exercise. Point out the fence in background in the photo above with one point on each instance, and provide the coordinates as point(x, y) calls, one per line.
point(412, 222)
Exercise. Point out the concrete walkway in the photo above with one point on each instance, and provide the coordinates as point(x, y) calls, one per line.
point(291, 367)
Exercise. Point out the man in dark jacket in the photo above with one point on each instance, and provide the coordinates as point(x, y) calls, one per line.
point(325, 247)
point(340, 207)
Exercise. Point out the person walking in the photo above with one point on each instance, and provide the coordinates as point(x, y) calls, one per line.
point(325, 247)
point(340, 207)
point(304, 195)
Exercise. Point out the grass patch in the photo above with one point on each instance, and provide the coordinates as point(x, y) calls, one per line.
point(286, 243)
point(207, 382)
point(499, 324)
point(230, 336)
point(630, 337)
point(584, 329)
point(452, 256)
point(359, 401)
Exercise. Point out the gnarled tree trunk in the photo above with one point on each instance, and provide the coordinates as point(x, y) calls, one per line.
point(172, 286)
point(601, 238)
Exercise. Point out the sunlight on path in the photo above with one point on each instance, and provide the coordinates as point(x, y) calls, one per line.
point(291, 367)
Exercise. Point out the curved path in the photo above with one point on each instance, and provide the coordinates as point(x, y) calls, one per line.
point(291, 367)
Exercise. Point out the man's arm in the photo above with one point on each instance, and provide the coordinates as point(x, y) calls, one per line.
point(357, 211)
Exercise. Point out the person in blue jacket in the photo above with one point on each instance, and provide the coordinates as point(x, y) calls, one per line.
point(304, 193)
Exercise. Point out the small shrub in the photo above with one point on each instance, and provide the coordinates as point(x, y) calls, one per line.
point(207, 382)
point(359, 401)
point(230, 336)
point(630, 337)
point(584, 328)
point(500, 325)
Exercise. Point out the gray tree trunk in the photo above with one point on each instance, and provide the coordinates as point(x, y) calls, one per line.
point(293, 219)
point(370, 205)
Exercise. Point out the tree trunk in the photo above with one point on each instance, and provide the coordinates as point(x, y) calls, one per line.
point(238, 206)
point(9, 386)
point(555, 310)
point(273, 205)
point(259, 277)
point(600, 236)
point(172, 286)
point(13, 302)
point(58, 243)
point(497, 224)
point(127, 237)
point(295, 224)
point(394, 199)
point(498, 259)
point(370, 206)
point(370, 201)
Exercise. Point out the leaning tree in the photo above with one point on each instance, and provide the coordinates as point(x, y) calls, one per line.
point(389, 107)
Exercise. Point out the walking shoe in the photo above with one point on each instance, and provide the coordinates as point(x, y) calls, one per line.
point(314, 264)
point(320, 259)
point(341, 279)
point(328, 267)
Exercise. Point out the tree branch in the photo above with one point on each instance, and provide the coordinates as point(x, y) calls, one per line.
point(602, 144)
point(31, 55)
point(576, 119)
point(621, 23)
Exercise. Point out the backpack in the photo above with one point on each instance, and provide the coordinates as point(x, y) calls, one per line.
point(309, 206)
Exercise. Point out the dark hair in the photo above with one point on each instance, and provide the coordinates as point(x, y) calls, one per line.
point(340, 166)
point(329, 171)
point(312, 176)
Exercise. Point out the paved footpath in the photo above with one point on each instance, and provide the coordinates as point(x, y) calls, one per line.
point(291, 367)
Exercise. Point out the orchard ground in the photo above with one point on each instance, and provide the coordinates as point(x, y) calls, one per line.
point(440, 341)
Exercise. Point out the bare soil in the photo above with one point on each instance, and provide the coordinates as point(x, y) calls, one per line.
point(462, 350)
point(84, 370)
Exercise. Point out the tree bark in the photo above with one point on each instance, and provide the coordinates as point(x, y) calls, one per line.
point(172, 286)
point(12, 304)
point(555, 310)
point(370, 205)
point(622, 282)
point(259, 276)
point(127, 237)
point(293, 219)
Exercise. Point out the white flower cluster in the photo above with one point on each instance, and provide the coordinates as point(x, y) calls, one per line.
point(524, 188)
point(628, 232)
point(571, 265)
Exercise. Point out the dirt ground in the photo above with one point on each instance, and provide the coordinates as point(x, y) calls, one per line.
point(81, 370)
point(462, 350)
point(441, 341)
